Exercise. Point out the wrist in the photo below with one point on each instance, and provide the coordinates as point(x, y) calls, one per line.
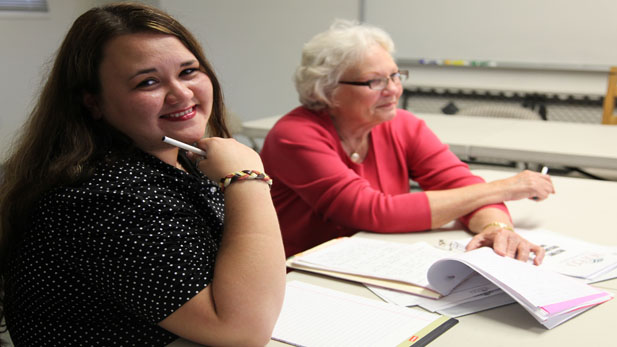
point(497, 225)
point(244, 175)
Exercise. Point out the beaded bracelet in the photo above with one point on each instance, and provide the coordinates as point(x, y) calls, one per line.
point(498, 224)
point(243, 176)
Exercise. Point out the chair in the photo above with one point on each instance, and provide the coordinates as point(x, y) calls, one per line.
point(608, 115)
point(499, 111)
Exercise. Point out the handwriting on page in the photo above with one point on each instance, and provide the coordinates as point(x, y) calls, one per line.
point(379, 259)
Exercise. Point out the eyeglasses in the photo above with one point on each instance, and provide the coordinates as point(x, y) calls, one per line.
point(381, 83)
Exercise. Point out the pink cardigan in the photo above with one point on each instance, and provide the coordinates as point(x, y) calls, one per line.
point(320, 194)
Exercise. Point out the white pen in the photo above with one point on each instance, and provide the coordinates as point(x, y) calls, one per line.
point(183, 145)
point(544, 170)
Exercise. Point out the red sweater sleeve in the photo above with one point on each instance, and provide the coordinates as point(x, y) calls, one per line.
point(430, 162)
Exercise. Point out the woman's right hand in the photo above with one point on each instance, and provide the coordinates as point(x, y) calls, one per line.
point(527, 185)
point(225, 156)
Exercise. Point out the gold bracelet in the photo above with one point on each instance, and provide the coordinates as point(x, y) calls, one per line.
point(498, 224)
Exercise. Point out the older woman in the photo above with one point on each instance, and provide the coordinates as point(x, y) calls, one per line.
point(342, 161)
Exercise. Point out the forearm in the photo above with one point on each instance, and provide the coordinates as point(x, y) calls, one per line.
point(450, 204)
point(249, 276)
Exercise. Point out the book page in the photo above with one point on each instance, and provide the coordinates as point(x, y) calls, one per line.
point(534, 285)
point(380, 259)
point(568, 255)
point(317, 316)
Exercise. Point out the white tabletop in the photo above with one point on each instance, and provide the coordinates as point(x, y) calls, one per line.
point(549, 143)
point(581, 208)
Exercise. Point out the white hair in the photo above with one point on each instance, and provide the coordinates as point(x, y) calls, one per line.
point(328, 54)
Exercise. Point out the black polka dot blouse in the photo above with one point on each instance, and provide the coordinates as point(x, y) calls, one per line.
point(104, 261)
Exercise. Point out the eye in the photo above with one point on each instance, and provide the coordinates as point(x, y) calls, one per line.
point(147, 83)
point(189, 71)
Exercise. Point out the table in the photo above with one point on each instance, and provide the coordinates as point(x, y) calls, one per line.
point(550, 143)
point(581, 208)
point(547, 143)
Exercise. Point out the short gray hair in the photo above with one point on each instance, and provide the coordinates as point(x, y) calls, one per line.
point(328, 54)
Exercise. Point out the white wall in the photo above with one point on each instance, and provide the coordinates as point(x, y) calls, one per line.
point(255, 46)
point(28, 42)
point(539, 34)
point(546, 32)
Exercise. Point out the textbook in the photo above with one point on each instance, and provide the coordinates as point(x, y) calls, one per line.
point(551, 298)
point(317, 316)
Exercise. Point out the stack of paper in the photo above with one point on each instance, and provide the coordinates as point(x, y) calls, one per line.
point(550, 297)
point(473, 295)
point(316, 316)
point(392, 265)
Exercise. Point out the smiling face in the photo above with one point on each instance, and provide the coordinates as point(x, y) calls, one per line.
point(151, 87)
point(361, 106)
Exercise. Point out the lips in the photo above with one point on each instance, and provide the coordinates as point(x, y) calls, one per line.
point(387, 105)
point(180, 115)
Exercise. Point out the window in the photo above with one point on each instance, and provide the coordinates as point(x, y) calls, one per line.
point(24, 5)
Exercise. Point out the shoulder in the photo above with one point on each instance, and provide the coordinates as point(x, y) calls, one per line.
point(407, 118)
point(134, 180)
point(300, 125)
point(300, 119)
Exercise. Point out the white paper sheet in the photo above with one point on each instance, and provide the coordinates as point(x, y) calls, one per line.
point(317, 316)
point(380, 259)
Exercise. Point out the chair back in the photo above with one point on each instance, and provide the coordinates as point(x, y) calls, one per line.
point(608, 115)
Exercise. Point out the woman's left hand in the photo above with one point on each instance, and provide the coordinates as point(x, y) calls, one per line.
point(507, 243)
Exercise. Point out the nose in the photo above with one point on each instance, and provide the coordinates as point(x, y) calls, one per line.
point(392, 87)
point(178, 92)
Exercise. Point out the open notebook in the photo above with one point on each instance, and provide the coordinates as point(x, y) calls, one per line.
point(317, 316)
point(551, 298)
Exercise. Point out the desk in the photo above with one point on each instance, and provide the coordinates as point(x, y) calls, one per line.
point(549, 143)
point(580, 208)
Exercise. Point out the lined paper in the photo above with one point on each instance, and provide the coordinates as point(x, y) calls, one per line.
point(380, 259)
point(317, 316)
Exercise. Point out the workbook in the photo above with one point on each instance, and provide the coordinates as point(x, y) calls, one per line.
point(550, 297)
point(317, 316)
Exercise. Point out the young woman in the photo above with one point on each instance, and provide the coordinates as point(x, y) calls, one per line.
point(109, 236)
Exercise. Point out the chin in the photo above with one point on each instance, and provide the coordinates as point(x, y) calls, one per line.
point(386, 116)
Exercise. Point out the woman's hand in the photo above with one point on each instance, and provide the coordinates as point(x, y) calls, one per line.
point(527, 184)
point(225, 156)
point(507, 243)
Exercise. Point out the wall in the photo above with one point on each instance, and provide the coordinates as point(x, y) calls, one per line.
point(255, 46)
point(546, 32)
point(28, 42)
point(548, 36)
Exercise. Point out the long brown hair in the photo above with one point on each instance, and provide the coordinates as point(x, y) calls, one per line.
point(60, 142)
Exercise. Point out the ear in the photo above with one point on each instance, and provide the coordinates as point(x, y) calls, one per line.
point(92, 105)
